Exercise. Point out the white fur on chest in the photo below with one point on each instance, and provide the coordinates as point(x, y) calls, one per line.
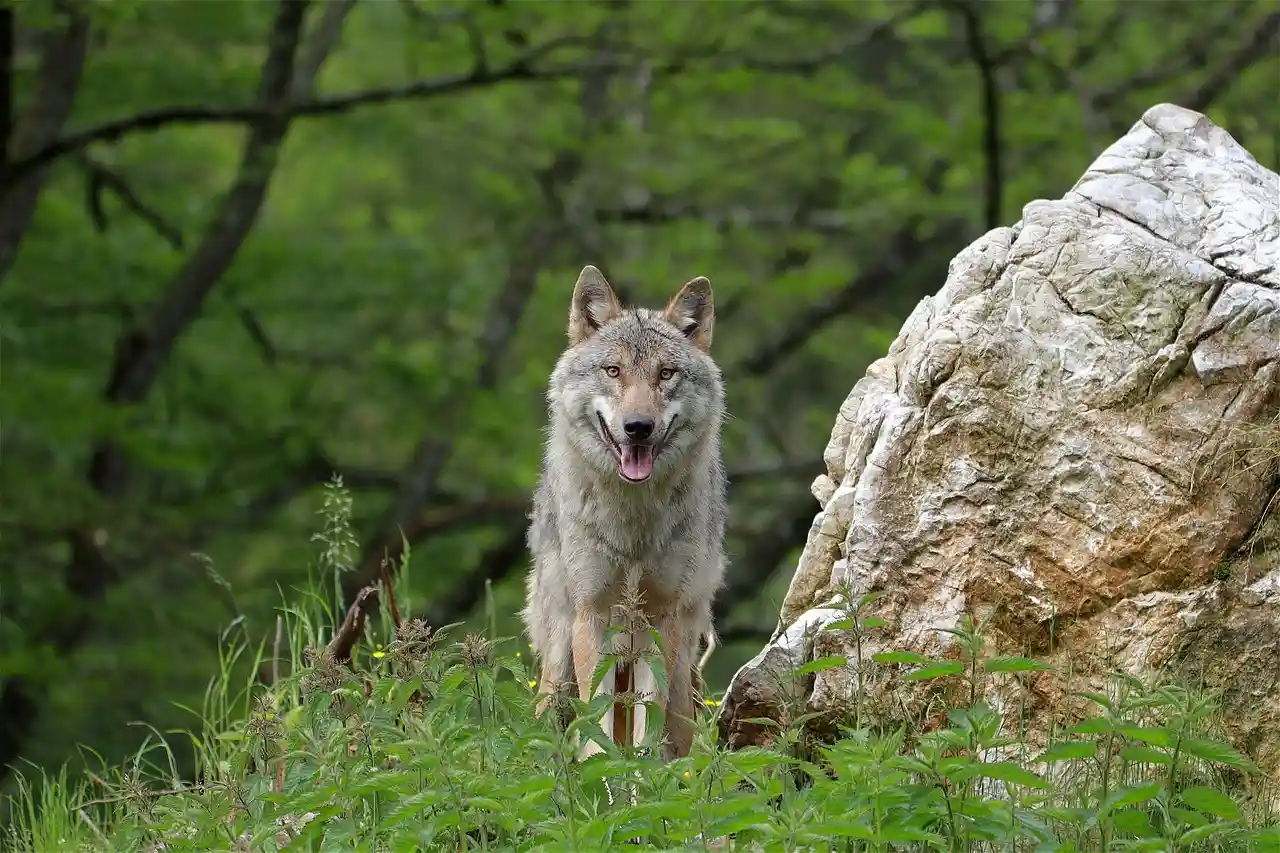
point(612, 542)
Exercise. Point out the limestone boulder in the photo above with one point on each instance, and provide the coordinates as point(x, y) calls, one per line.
point(1075, 439)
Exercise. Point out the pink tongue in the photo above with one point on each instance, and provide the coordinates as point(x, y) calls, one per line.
point(637, 462)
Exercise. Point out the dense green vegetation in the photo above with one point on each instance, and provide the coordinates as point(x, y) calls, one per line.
point(244, 246)
point(428, 742)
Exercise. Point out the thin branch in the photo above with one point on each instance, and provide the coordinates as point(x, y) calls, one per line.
point(100, 178)
point(258, 334)
point(420, 482)
point(1192, 55)
point(8, 23)
point(776, 470)
point(1103, 39)
point(520, 70)
point(1258, 46)
point(824, 192)
point(314, 471)
point(62, 57)
point(902, 249)
point(476, 38)
point(665, 212)
point(319, 46)
point(141, 353)
point(496, 564)
point(523, 69)
point(992, 148)
point(744, 634)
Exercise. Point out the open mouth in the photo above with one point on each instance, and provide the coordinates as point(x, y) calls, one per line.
point(635, 461)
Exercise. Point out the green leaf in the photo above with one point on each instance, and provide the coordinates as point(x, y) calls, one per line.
point(1209, 830)
point(822, 664)
point(1007, 771)
point(1153, 735)
point(1133, 821)
point(1221, 753)
point(937, 670)
point(1013, 663)
point(1130, 796)
point(1090, 726)
point(1096, 698)
point(1067, 750)
point(1210, 801)
point(900, 657)
point(1267, 838)
point(1145, 755)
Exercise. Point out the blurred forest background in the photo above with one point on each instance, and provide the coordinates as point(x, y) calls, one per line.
point(245, 245)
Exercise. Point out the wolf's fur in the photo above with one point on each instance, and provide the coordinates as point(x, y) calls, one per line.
point(599, 539)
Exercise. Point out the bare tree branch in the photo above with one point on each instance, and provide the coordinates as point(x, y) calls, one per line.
point(744, 634)
point(318, 47)
point(902, 249)
point(758, 557)
point(100, 178)
point(62, 58)
point(496, 564)
point(992, 148)
point(1192, 55)
point(665, 212)
point(419, 484)
point(526, 68)
point(258, 334)
point(818, 314)
point(141, 353)
point(520, 70)
point(1262, 43)
point(8, 24)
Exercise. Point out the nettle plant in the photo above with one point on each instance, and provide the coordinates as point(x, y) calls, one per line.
point(393, 735)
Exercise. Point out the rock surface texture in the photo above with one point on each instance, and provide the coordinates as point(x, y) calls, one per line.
point(1077, 439)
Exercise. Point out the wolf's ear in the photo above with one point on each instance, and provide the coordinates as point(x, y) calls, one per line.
point(693, 312)
point(594, 305)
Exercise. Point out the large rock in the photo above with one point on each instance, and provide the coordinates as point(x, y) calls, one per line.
point(1075, 438)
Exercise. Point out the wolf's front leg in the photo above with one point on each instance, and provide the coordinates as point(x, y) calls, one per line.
point(679, 642)
point(588, 636)
point(556, 679)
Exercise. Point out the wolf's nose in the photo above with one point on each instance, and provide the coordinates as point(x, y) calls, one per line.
point(638, 427)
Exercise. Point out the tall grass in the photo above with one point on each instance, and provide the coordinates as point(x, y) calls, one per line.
point(429, 742)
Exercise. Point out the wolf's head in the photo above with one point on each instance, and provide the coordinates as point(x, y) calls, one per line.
point(637, 389)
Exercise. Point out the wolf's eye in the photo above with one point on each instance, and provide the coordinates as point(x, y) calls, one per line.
point(666, 373)
point(612, 371)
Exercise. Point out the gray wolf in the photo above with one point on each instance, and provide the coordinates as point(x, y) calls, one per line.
point(630, 506)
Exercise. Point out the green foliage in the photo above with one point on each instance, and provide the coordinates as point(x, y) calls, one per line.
point(424, 743)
